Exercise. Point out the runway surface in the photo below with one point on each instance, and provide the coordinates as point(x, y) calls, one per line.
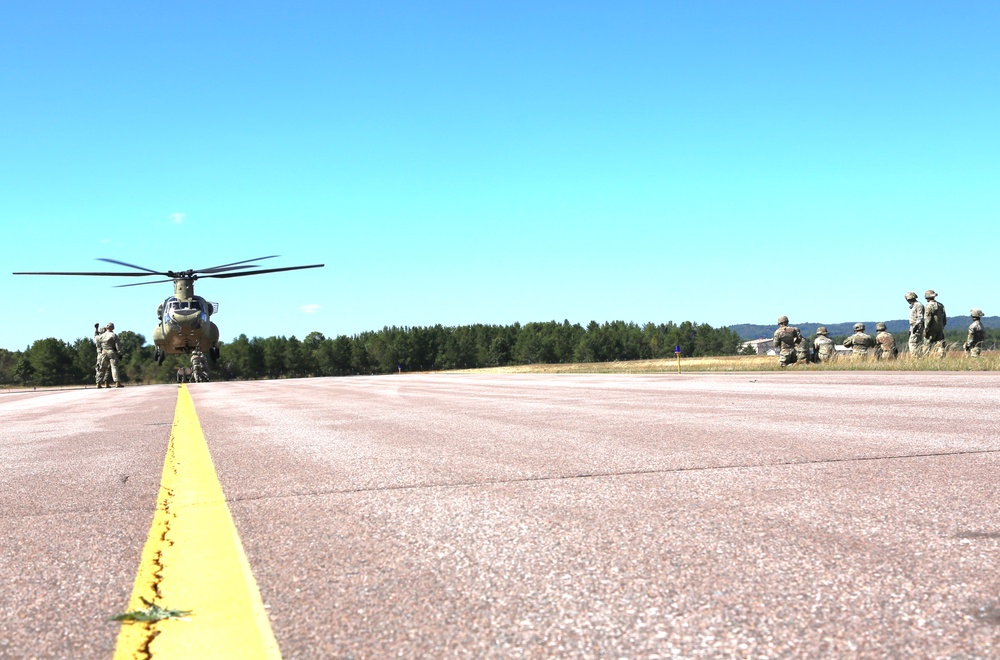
point(699, 515)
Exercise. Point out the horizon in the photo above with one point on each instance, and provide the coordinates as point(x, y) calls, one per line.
point(988, 321)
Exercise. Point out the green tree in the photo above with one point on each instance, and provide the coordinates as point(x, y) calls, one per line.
point(502, 346)
point(299, 361)
point(134, 357)
point(85, 356)
point(273, 349)
point(8, 362)
point(52, 362)
point(24, 373)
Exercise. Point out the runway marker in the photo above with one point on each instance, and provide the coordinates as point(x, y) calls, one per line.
point(193, 560)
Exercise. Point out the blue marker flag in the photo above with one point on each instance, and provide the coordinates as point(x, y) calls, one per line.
point(677, 349)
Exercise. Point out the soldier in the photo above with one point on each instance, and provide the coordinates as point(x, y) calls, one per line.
point(802, 352)
point(199, 366)
point(974, 345)
point(825, 347)
point(859, 342)
point(98, 331)
point(885, 348)
point(934, 321)
point(916, 324)
point(786, 339)
point(108, 352)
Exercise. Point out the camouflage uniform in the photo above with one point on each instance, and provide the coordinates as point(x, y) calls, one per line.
point(98, 331)
point(199, 367)
point(108, 352)
point(802, 352)
point(916, 324)
point(974, 344)
point(885, 348)
point(825, 347)
point(934, 321)
point(859, 342)
point(786, 340)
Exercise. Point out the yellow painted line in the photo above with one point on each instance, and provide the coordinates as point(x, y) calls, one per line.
point(194, 560)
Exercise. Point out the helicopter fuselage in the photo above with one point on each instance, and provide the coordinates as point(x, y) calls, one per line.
point(185, 322)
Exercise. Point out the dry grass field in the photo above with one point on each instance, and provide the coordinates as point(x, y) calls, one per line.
point(954, 361)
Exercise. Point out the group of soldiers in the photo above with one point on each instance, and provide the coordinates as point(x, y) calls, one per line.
point(927, 322)
point(197, 372)
point(108, 352)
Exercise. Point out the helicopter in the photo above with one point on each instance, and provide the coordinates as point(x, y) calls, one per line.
point(185, 319)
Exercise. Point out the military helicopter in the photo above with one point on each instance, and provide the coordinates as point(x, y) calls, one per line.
point(185, 319)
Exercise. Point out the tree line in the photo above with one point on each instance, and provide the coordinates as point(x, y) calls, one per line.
point(49, 362)
point(55, 362)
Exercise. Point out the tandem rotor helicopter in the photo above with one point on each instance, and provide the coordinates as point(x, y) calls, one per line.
point(185, 319)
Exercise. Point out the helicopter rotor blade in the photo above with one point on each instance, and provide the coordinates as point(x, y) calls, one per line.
point(96, 274)
point(261, 272)
point(120, 286)
point(221, 269)
point(122, 263)
point(216, 269)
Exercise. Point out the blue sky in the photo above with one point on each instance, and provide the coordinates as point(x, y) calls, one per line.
point(462, 163)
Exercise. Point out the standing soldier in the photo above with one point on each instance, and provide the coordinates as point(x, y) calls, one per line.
point(825, 347)
point(98, 331)
point(885, 348)
point(934, 322)
point(916, 324)
point(859, 342)
point(786, 339)
point(108, 351)
point(974, 345)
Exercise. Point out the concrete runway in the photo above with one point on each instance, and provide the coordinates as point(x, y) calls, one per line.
point(701, 515)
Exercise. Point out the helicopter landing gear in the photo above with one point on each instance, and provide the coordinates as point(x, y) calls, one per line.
point(214, 353)
point(159, 356)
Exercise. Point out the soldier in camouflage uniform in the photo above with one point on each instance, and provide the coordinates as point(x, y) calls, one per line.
point(199, 367)
point(802, 352)
point(974, 344)
point(825, 347)
point(859, 342)
point(916, 324)
point(108, 351)
point(786, 339)
point(885, 348)
point(98, 331)
point(934, 321)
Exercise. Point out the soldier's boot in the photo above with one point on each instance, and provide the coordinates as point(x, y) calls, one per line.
point(119, 384)
point(98, 386)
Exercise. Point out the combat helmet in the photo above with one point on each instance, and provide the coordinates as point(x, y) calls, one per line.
point(880, 327)
point(911, 296)
point(782, 319)
point(111, 326)
point(929, 294)
point(821, 330)
point(859, 327)
point(976, 313)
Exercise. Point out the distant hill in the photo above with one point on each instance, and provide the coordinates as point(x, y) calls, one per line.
point(748, 331)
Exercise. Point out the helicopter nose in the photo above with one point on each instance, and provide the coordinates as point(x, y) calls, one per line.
point(184, 316)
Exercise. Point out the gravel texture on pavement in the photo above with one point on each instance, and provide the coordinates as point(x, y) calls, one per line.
point(769, 515)
point(765, 515)
point(80, 470)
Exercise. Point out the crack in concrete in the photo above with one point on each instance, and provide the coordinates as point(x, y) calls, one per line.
point(597, 475)
point(151, 630)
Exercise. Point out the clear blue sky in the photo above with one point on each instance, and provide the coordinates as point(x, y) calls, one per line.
point(459, 162)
